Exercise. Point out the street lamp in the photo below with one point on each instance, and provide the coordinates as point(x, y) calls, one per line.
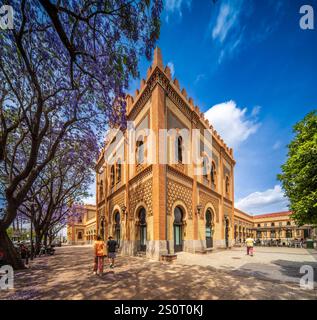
point(124, 209)
point(199, 207)
point(31, 231)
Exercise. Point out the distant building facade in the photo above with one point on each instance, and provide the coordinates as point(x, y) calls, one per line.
point(270, 226)
point(83, 229)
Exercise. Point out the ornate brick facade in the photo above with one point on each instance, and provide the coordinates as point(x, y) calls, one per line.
point(141, 192)
point(164, 208)
point(84, 229)
point(178, 192)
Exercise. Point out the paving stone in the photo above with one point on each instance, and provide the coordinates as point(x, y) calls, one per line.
point(68, 275)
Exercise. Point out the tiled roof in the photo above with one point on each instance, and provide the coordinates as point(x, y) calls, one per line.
point(274, 214)
point(243, 213)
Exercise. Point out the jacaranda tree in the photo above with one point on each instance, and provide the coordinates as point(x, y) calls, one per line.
point(64, 181)
point(65, 66)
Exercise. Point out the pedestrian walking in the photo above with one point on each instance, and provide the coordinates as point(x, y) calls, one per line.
point(99, 251)
point(24, 252)
point(112, 245)
point(250, 243)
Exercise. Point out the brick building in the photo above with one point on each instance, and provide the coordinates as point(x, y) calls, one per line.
point(83, 230)
point(269, 226)
point(162, 208)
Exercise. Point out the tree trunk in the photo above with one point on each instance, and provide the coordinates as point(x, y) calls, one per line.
point(45, 239)
point(37, 244)
point(8, 253)
point(50, 239)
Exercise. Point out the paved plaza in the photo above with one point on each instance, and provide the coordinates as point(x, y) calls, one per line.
point(273, 273)
point(268, 263)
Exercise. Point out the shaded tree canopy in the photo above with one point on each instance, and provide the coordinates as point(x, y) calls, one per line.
point(63, 181)
point(64, 69)
point(299, 173)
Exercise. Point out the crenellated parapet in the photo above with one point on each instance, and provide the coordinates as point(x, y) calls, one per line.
point(158, 74)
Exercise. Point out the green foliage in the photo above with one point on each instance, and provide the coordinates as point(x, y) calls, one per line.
point(299, 177)
point(10, 232)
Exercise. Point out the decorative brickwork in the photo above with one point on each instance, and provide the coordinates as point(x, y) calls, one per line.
point(141, 193)
point(117, 199)
point(177, 191)
point(204, 199)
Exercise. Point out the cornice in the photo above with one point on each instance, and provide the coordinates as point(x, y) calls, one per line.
point(204, 188)
point(180, 174)
point(141, 174)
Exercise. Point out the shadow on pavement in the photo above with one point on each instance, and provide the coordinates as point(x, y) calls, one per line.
point(68, 275)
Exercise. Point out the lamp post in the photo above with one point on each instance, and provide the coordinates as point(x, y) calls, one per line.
point(199, 207)
point(32, 249)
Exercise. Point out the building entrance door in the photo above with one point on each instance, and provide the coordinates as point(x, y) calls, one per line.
point(117, 228)
point(142, 219)
point(178, 230)
point(209, 240)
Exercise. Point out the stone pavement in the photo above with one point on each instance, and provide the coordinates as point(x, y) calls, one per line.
point(68, 275)
point(270, 263)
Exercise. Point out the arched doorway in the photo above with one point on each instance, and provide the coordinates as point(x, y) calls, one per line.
point(178, 229)
point(227, 232)
point(117, 229)
point(142, 229)
point(209, 239)
point(235, 233)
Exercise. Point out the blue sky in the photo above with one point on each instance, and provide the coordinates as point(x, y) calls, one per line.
point(250, 67)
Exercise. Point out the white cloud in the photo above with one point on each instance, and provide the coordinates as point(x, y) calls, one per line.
point(225, 27)
point(267, 201)
point(175, 6)
point(232, 123)
point(200, 77)
point(277, 145)
point(225, 21)
point(255, 111)
point(171, 66)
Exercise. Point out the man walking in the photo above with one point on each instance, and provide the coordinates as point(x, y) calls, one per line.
point(249, 242)
point(112, 244)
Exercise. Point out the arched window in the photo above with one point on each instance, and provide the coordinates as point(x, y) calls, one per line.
point(272, 224)
point(213, 173)
point(143, 236)
point(227, 185)
point(139, 151)
point(117, 227)
point(273, 234)
point(179, 156)
point(289, 233)
point(209, 240)
point(112, 176)
point(205, 166)
point(101, 190)
point(288, 223)
point(178, 229)
point(118, 169)
point(259, 225)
